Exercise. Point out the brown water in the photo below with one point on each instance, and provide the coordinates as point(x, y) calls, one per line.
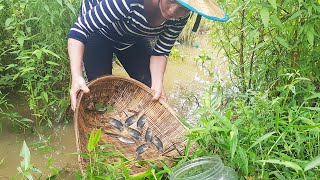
point(185, 82)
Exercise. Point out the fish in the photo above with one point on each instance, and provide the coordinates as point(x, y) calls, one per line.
point(148, 136)
point(141, 149)
point(116, 124)
point(158, 143)
point(126, 140)
point(112, 134)
point(141, 122)
point(129, 121)
point(134, 133)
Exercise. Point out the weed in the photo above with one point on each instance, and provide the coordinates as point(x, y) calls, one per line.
point(27, 171)
point(264, 136)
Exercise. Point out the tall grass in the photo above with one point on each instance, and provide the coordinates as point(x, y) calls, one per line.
point(33, 54)
point(262, 136)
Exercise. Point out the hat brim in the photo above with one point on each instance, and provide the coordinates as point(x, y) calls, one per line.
point(207, 9)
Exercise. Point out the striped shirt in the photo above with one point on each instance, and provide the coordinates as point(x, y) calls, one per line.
point(123, 21)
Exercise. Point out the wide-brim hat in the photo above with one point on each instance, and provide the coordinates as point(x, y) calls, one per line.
point(206, 8)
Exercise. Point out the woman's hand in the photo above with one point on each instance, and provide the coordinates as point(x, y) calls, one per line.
point(75, 50)
point(159, 92)
point(157, 68)
point(77, 85)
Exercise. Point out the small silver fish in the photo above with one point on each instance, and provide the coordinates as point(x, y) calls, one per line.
point(157, 142)
point(148, 136)
point(126, 140)
point(129, 121)
point(134, 133)
point(112, 134)
point(141, 122)
point(141, 149)
point(116, 124)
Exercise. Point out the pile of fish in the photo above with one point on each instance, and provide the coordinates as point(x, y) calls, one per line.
point(133, 126)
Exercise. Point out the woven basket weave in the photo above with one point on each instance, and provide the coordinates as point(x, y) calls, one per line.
point(127, 95)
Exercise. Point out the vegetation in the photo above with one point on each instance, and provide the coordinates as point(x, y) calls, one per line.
point(33, 47)
point(267, 127)
point(264, 122)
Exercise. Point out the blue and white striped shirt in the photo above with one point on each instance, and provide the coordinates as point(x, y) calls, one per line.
point(122, 21)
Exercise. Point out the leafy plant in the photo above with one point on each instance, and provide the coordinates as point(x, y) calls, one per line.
point(264, 136)
point(175, 54)
point(100, 167)
point(26, 168)
point(27, 171)
point(264, 39)
point(33, 62)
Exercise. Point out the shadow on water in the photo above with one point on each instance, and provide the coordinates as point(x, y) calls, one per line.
point(185, 83)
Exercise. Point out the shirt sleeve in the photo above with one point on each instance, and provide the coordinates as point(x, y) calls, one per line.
point(101, 15)
point(168, 37)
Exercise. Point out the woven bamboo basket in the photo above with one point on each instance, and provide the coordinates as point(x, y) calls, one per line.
point(127, 97)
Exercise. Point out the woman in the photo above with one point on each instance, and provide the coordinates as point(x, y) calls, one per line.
point(122, 27)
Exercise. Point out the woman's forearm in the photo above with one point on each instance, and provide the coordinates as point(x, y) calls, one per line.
point(75, 50)
point(158, 66)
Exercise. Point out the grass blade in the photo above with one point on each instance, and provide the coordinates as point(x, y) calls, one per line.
point(312, 164)
point(262, 138)
point(285, 163)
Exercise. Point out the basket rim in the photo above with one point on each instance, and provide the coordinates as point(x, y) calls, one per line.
point(106, 78)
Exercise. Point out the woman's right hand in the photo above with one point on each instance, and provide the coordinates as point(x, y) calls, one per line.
point(75, 50)
point(78, 84)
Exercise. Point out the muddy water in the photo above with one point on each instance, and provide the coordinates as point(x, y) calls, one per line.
point(185, 82)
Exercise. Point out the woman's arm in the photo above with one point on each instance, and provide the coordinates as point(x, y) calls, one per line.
point(75, 50)
point(157, 68)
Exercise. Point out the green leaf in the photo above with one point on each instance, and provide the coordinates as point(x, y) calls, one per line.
point(26, 120)
point(273, 3)
point(264, 13)
point(312, 164)
point(45, 96)
point(262, 138)
point(28, 175)
point(295, 15)
point(310, 35)
point(97, 138)
point(38, 53)
point(313, 96)
point(27, 69)
point(283, 42)
point(52, 63)
point(60, 2)
point(8, 22)
point(314, 108)
point(125, 170)
point(234, 141)
point(25, 154)
point(73, 10)
point(244, 160)
point(54, 171)
point(90, 142)
point(229, 114)
point(2, 160)
point(20, 40)
point(285, 163)
point(93, 140)
point(51, 53)
point(276, 21)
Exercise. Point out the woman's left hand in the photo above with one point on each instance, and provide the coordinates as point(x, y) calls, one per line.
point(157, 68)
point(159, 92)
